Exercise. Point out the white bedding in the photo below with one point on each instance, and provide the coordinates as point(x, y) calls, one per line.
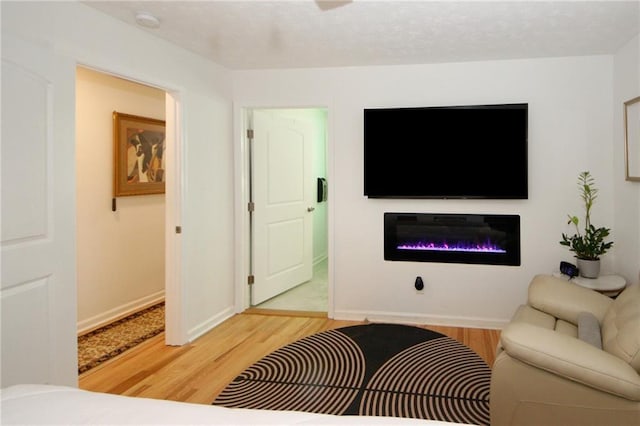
point(44, 404)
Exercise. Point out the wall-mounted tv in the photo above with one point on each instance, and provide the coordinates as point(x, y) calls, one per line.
point(442, 152)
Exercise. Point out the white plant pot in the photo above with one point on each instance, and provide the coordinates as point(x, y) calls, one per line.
point(589, 268)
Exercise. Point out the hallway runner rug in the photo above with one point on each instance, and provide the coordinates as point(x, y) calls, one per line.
point(107, 342)
point(369, 370)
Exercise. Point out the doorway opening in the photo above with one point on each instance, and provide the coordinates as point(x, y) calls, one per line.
point(126, 263)
point(288, 209)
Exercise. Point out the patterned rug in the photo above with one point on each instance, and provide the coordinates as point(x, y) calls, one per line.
point(369, 370)
point(102, 344)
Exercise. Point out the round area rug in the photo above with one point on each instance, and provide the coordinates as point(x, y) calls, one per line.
point(369, 370)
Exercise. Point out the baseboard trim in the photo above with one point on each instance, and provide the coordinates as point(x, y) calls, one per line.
point(117, 313)
point(420, 319)
point(210, 323)
point(319, 259)
point(285, 313)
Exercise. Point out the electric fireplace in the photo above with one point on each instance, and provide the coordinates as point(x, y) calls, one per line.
point(452, 238)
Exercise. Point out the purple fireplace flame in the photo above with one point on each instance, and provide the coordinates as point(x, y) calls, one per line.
point(486, 247)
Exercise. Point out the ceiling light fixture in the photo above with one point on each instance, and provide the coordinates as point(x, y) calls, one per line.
point(145, 19)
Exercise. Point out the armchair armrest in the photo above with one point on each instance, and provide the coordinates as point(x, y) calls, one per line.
point(565, 300)
point(571, 358)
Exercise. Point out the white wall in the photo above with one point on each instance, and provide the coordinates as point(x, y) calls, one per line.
point(120, 254)
point(570, 121)
point(626, 86)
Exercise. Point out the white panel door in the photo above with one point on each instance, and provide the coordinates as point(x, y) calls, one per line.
point(38, 292)
point(282, 190)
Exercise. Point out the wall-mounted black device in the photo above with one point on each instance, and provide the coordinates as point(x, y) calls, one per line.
point(440, 152)
point(569, 269)
point(322, 190)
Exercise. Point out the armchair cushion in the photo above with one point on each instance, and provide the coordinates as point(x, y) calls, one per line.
point(621, 327)
point(571, 358)
point(565, 300)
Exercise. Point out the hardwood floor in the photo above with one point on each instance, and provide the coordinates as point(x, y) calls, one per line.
point(197, 372)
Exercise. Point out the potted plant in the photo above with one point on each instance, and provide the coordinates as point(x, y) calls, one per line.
point(589, 243)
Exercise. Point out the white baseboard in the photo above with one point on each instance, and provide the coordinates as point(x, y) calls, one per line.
point(420, 319)
point(319, 259)
point(119, 312)
point(210, 323)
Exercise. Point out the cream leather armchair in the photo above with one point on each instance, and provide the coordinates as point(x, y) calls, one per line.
point(549, 369)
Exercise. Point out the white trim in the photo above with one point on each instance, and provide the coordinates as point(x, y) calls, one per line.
point(319, 259)
point(330, 165)
point(119, 312)
point(241, 191)
point(175, 323)
point(421, 319)
point(209, 324)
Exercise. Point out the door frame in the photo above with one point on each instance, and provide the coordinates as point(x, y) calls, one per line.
point(175, 324)
point(242, 190)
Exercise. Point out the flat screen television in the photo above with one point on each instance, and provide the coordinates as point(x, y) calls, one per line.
point(446, 152)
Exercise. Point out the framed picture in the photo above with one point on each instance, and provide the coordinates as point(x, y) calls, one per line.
point(139, 144)
point(632, 139)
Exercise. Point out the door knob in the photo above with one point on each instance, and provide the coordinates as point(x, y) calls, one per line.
point(310, 209)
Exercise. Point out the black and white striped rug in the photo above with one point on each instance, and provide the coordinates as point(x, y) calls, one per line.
point(369, 370)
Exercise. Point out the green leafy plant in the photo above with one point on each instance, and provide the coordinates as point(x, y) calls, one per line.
point(588, 244)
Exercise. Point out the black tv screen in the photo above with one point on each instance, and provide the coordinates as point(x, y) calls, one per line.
point(446, 152)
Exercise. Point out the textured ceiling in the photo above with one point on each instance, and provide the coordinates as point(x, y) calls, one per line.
point(293, 34)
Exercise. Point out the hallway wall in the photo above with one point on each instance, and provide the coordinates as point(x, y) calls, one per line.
point(120, 255)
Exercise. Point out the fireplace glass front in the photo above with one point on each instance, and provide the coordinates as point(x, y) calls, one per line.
point(452, 238)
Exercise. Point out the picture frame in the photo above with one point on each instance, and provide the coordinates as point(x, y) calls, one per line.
point(138, 160)
point(632, 139)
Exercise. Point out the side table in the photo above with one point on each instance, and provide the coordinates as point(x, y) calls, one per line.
point(610, 285)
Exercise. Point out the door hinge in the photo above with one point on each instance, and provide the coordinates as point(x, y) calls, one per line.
point(251, 206)
point(178, 229)
point(250, 279)
point(249, 133)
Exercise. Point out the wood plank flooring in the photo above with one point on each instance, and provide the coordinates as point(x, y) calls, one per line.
point(199, 371)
